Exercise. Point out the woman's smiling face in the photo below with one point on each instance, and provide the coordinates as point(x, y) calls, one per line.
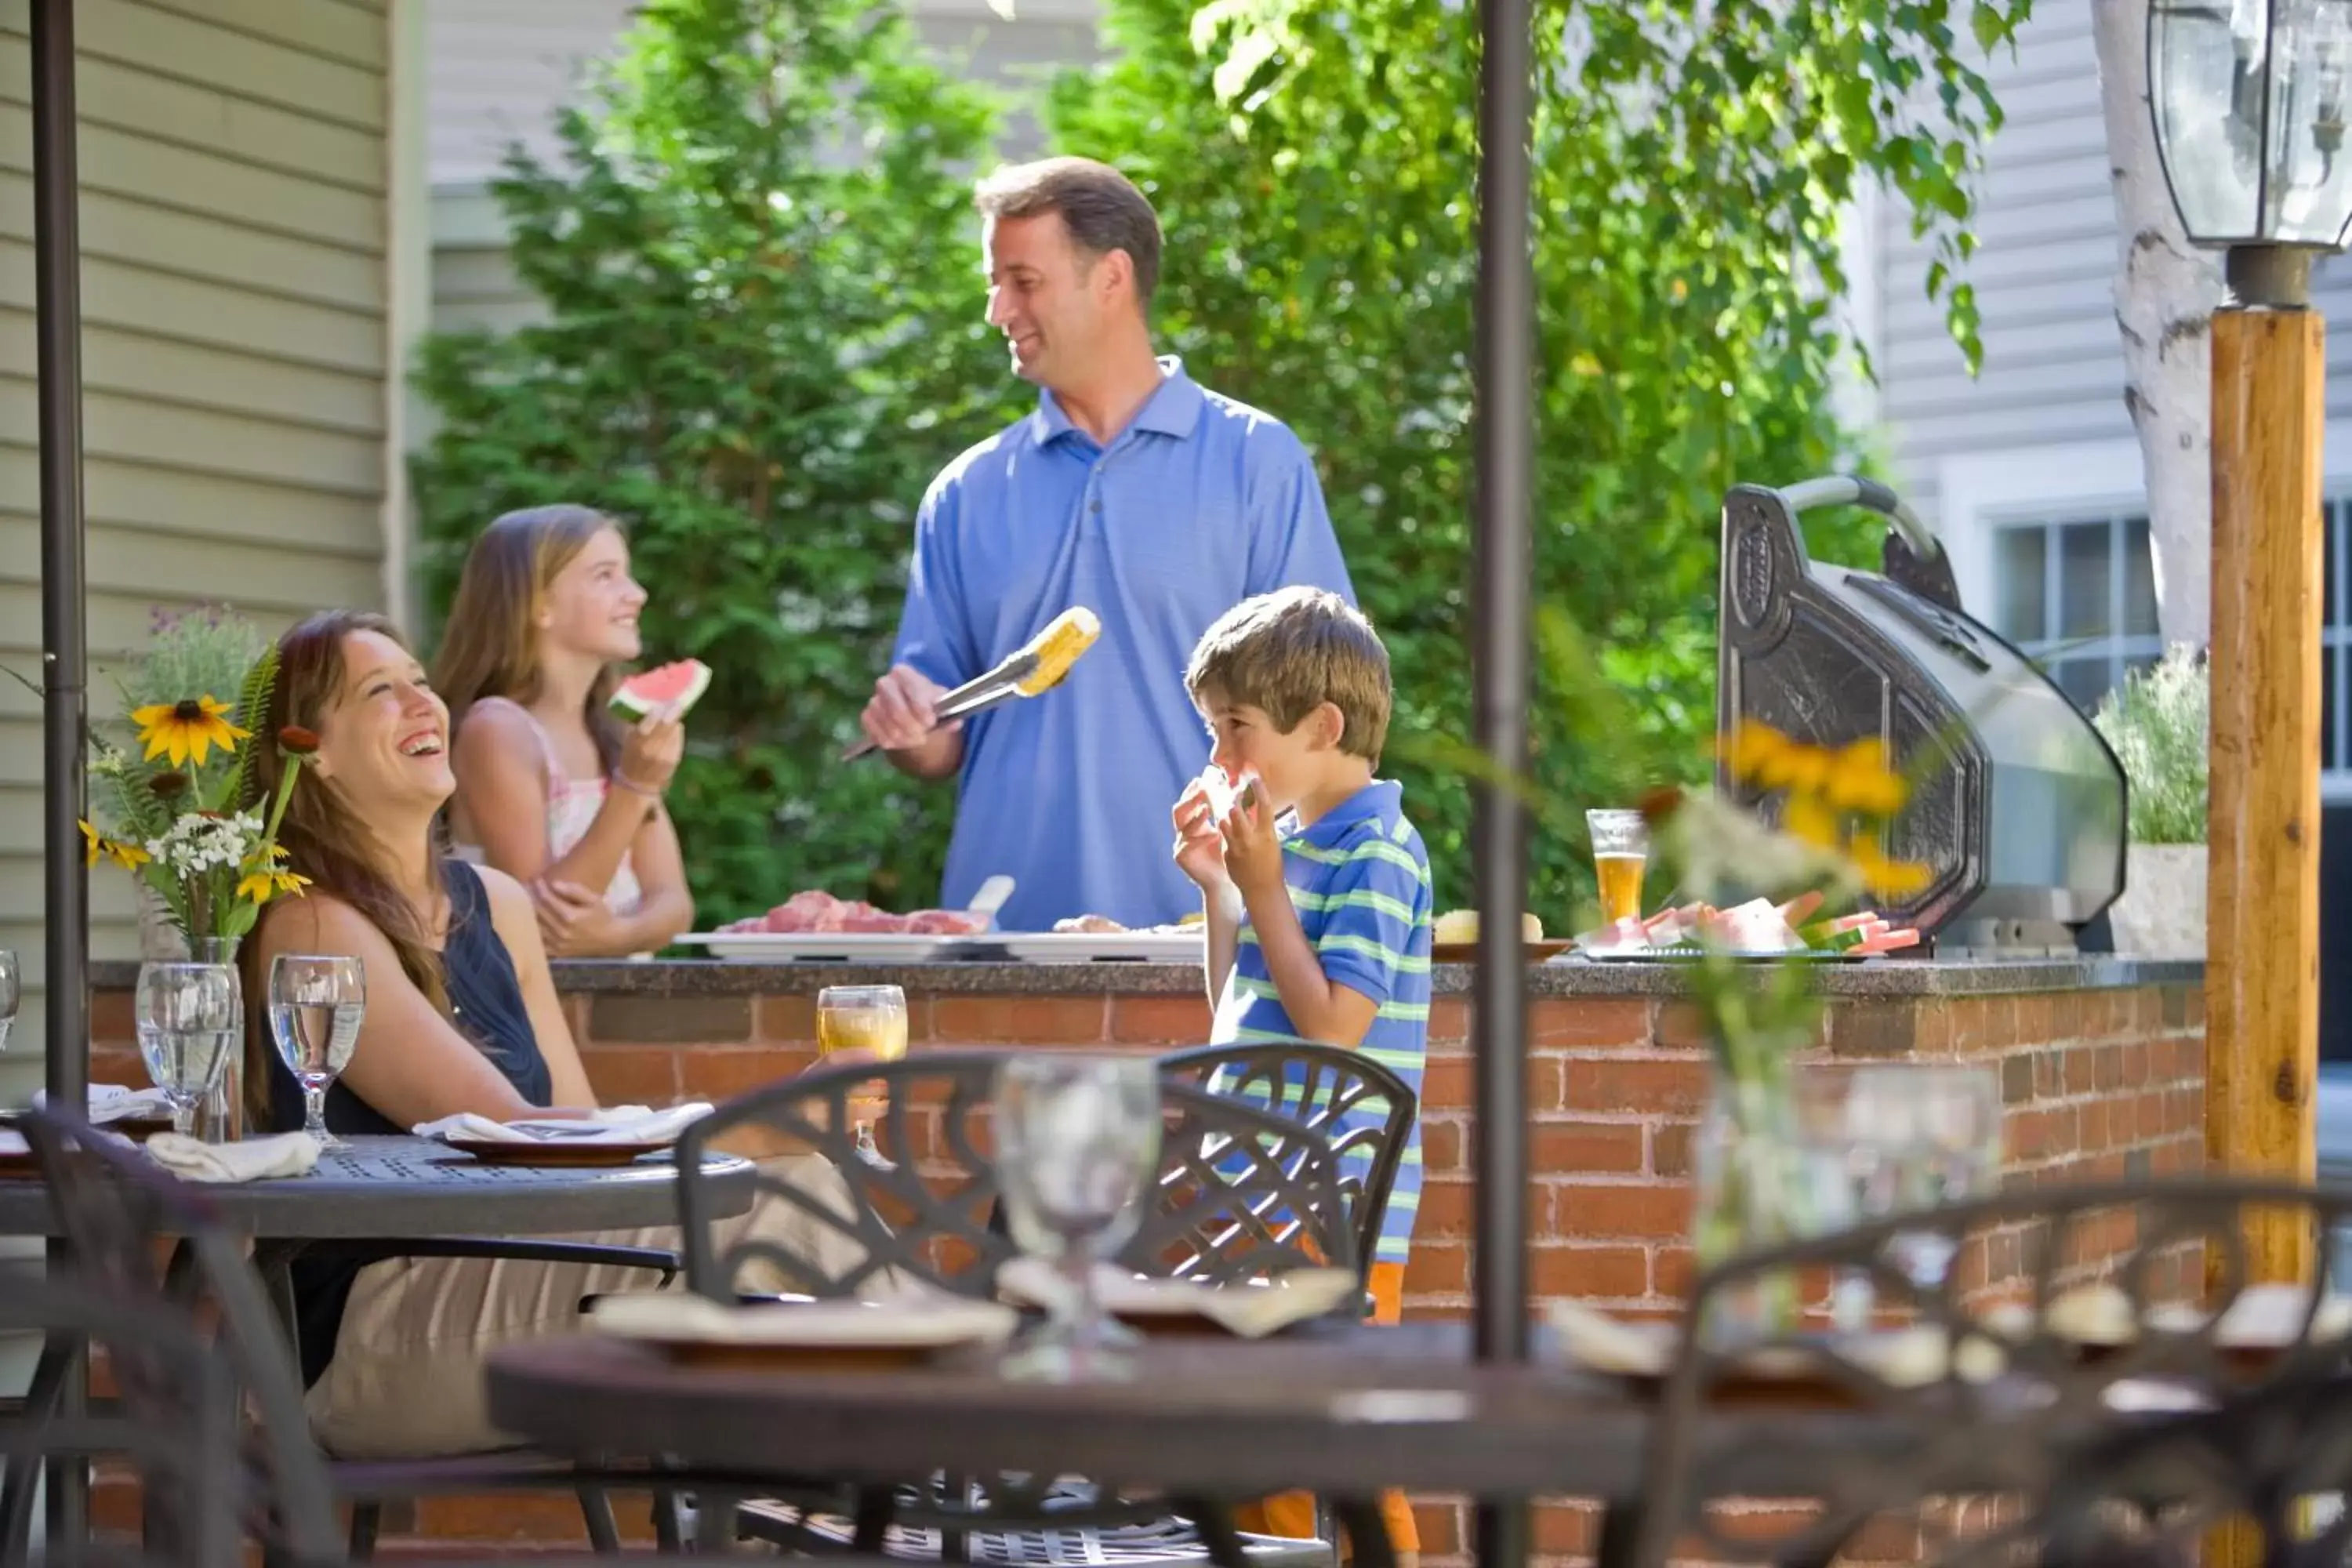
point(384, 738)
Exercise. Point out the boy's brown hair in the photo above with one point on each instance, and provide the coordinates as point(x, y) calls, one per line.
point(1291, 650)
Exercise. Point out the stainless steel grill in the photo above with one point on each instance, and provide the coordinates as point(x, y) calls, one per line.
point(2022, 818)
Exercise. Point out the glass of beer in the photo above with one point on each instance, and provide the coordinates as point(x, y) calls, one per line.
point(1620, 850)
point(872, 1021)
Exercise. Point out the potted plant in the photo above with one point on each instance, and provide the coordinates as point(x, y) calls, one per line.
point(2157, 722)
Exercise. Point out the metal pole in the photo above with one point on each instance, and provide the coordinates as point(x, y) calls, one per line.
point(1504, 434)
point(56, 305)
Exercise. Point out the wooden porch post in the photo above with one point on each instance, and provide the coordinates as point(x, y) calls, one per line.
point(2261, 984)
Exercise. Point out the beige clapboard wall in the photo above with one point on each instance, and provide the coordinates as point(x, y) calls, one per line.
point(233, 223)
point(498, 71)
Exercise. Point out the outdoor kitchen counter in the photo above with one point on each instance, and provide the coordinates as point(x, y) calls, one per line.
point(2101, 1063)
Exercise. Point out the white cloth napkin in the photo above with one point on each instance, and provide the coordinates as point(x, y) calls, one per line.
point(13, 1143)
point(254, 1159)
point(614, 1124)
point(119, 1102)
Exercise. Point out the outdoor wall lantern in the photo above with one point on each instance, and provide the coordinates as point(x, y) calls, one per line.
point(2251, 98)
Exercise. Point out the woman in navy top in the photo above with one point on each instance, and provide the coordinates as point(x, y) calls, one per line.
point(462, 1016)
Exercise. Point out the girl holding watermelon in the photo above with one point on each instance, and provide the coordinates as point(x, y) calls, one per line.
point(553, 787)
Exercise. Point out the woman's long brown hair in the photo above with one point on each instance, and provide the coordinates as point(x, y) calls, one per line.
point(323, 839)
point(489, 646)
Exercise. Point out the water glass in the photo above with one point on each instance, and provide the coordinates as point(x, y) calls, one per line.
point(11, 992)
point(870, 1020)
point(316, 1004)
point(1077, 1150)
point(187, 1015)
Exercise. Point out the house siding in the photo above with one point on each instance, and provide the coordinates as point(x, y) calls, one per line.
point(2044, 277)
point(501, 69)
point(233, 161)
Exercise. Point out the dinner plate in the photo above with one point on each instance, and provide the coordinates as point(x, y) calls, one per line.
point(1467, 952)
point(571, 1154)
point(823, 946)
point(1245, 1311)
point(1643, 1352)
point(804, 1335)
point(1102, 947)
point(1692, 955)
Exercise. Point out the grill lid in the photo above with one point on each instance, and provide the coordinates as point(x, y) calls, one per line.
point(2021, 817)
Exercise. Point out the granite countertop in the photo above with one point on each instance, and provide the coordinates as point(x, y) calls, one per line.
point(1883, 977)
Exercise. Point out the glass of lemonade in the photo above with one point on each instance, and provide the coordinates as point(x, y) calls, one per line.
point(1620, 852)
point(871, 1020)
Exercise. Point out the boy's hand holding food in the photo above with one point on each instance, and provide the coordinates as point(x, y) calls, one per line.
point(1253, 852)
point(1200, 847)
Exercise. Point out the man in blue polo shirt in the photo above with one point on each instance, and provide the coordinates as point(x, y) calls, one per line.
point(1131, 491)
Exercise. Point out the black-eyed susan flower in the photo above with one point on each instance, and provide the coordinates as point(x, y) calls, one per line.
point(265, 878)
point(1859, 780)
point(186, 730)
point(1807, 817)
point(1886, 876)
point(130, 857)
point(295, 741)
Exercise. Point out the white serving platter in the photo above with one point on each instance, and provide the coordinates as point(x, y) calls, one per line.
point(825, 946)
point(1100, 947)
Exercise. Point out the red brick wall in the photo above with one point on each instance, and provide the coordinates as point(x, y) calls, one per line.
point(2095, 1083)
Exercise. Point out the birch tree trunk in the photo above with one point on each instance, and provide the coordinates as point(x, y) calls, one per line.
point(2165, 295)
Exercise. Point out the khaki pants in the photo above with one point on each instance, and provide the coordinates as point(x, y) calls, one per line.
point(406, 1378)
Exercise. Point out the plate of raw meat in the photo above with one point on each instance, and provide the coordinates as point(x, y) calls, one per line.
point(816, 927)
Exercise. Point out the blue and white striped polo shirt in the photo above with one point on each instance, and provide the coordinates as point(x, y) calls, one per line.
point(1359, 879)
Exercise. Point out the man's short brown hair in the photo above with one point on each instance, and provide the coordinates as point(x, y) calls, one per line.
point(1100, 206)
point(1288, 652)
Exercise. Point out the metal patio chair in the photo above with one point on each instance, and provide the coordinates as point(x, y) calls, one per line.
point(2112, 1428)
point(1242, 1194)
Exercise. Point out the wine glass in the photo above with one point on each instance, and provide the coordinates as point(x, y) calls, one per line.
point(1077, 1145)
point(871, 1019)
point(11, 992)
point(1923, 1135)
point(187, 1016)
point(316, 1002)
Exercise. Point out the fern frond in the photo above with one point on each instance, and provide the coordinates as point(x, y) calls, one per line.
point(253, 713)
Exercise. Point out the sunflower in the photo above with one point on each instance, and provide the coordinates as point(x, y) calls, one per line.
point(130, 857)
point(185, 730)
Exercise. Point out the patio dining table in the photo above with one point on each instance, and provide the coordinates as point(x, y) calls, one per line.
point(1344, 1410)
point(380, 1188)
point(394, 1189)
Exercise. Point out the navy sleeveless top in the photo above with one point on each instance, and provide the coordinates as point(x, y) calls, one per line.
point(486, 1004)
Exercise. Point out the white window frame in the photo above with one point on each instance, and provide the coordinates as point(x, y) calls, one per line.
point(1977, 493)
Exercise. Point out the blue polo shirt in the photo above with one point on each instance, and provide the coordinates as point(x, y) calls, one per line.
point(1359, 878)
point(1198, 504)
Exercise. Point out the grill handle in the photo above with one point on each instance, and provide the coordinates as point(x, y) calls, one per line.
point(1848, 490)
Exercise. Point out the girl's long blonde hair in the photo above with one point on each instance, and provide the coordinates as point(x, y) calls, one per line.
point(489, 646)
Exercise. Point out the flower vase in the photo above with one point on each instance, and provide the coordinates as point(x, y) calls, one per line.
point(1766, 1174)
point(220, 1118)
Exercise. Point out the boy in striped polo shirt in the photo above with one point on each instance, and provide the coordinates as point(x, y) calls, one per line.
point(1319, 926)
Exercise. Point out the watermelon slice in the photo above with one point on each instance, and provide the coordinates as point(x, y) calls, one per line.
point(682, 681)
